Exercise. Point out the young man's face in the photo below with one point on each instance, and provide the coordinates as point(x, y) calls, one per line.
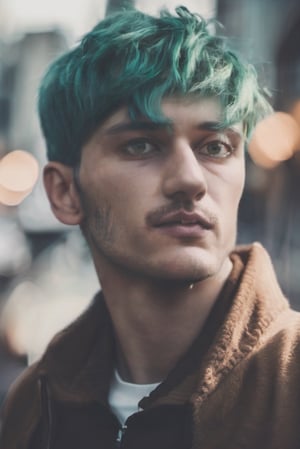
point(162, 201)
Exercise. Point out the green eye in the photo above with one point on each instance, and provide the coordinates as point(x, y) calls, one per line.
point(139, 148)
point(216, 149)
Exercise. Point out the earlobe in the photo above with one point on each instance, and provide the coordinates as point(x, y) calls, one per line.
point(62, 193)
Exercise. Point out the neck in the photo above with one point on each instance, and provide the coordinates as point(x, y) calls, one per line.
point(156, 322)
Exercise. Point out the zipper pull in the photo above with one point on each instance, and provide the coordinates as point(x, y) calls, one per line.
point(120, 436)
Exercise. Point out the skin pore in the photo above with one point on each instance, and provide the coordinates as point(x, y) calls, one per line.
point(158, 206)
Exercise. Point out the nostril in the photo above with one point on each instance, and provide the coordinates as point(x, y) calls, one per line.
point(198, 196)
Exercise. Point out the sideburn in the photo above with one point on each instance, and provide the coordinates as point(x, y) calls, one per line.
point(101, 222)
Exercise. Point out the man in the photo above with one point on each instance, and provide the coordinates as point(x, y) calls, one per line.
point(191, 343)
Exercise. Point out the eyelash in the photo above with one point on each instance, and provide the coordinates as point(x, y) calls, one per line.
point(228, 147)
point(138, 141)
point(156, 148)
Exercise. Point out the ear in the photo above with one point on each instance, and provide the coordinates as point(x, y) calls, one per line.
point(62, 193)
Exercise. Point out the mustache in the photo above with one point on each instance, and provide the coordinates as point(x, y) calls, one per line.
point(155, 216)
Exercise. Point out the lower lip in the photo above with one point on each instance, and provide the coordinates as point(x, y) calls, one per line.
point(184, 231)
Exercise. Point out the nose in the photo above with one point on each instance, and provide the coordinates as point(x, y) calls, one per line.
point(184, 176)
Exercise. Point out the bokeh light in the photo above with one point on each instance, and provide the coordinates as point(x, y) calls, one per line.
point(19, 172)
point(275, 139)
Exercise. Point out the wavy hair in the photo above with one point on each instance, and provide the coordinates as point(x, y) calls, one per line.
point(133, 59)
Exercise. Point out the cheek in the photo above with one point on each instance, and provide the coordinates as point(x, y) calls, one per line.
point(226, 189)
point(124, 199)
point(234, 182)
point(240, 182)
point(238, 187)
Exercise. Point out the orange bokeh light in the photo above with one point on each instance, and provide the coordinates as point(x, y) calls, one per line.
point(11, 198)
point(19, 172)
point(275, 139)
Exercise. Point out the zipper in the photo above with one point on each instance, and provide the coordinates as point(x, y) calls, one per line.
point(121, 433)
point(47, 416)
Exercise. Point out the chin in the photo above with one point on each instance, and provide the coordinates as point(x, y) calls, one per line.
point(193, 266)
point(182, 271)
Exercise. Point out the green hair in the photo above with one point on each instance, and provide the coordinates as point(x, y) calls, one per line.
point(133, 59)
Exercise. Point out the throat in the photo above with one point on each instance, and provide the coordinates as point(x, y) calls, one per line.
point(154, 324)
point(152, 336)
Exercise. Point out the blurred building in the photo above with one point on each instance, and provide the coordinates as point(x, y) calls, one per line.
point(30, 55)
point(266, 32)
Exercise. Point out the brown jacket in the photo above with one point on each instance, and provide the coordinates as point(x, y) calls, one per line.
point(244, 390)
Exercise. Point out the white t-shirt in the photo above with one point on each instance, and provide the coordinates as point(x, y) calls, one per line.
point(124, 396)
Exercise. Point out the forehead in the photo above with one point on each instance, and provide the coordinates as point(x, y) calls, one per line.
point(180, 113)
point(185, 111)
point(171, 106)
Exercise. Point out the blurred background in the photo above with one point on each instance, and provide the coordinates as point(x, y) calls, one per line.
point(46, 274)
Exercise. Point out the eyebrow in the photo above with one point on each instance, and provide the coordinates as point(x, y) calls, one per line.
point(214, 126)
point(136, 126)
point(211, 126)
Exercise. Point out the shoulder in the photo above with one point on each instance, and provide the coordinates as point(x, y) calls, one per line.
point(22, 409)
point(61, 368)
point(281, 346)
point(285, 329)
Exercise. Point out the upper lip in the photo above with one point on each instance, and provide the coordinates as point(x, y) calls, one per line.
point(185, 218)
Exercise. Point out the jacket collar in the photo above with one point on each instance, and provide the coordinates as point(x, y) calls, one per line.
point(79, 361)
point(258, 303)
